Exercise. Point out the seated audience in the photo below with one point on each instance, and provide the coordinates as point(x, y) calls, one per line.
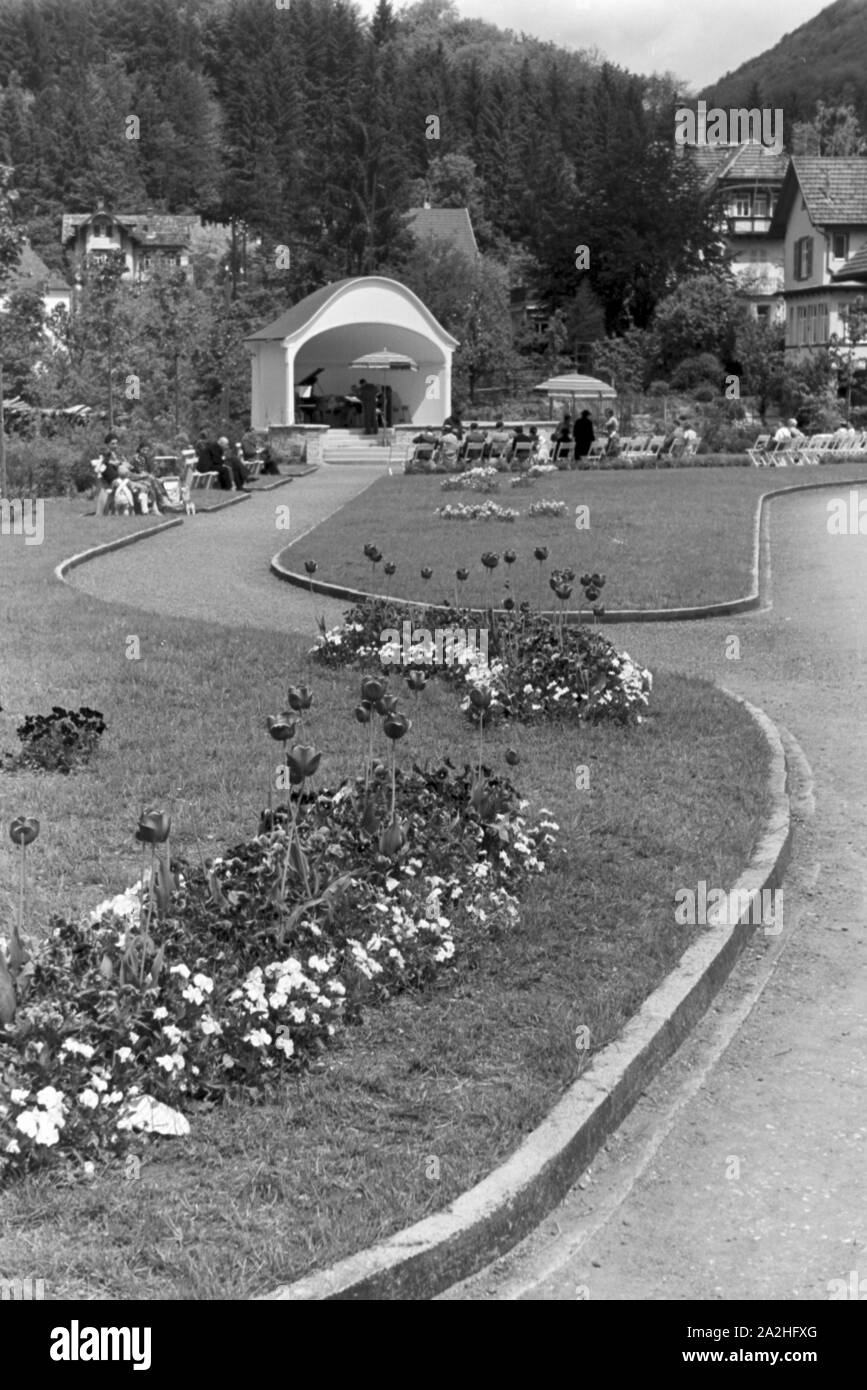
point(499, 441)
point(449, 448)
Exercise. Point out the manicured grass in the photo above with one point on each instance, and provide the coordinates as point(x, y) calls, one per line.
point(259, 1195)
point(664, 539)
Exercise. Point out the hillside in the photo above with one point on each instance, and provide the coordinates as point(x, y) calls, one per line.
point(823, 60)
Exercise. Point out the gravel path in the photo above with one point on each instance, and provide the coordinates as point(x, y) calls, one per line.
point(215, 567)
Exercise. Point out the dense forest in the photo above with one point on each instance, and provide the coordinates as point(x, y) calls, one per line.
point(314, 128)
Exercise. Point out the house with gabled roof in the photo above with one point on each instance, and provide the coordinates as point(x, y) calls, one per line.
point(745, 182)
point(451, 225)
point(822, 215)
point(145, 239)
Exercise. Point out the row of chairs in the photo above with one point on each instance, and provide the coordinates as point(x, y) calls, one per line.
point(819, 448)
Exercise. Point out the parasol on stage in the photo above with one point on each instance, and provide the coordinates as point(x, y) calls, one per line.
point(384, 361)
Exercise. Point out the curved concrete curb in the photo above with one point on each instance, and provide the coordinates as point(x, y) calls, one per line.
point(61, 570)
point(423, 1260)
point(617, 615)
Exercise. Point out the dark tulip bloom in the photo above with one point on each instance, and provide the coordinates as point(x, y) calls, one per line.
point(462, 575)
point(509, 556)
point(395, 726)
point(303, 760)
point(153, 828)
point(310, 566)
point(512, 758)
point(372, 690)
point(426, 572)
point(281, 727)
point(23, 830)
point(541, 553)
point(300, 697)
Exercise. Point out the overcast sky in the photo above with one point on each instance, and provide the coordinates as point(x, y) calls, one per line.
point(698, 40)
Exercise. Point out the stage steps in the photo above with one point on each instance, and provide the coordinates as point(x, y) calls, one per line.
point(352, 446)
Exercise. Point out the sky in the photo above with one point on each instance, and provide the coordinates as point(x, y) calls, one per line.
point(698, 40)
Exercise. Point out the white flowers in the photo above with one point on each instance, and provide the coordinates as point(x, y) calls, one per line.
point(171, 1062)
point(89, 1099)
point(43, 1125)
point(72, 1045)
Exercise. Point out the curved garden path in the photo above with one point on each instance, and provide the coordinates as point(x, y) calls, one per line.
point(785, 1098)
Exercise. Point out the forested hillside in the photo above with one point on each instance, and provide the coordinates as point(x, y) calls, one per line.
point(822, 60)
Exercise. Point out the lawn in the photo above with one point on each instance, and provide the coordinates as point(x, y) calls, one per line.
point(259, 1195)
point(664, 539)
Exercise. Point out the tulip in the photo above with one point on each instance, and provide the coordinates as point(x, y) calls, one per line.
point(369, 549)
point(508, 603)
point(363, 712)
point(23, 830)
point(300, 697)
point(303, 761)
point(585, 580)
point(426, 572)
point(375, 556)
point(310, 566)
point(281, 727)
point(509, 556)
point(512, 758)
point(490, 560)
point(392, 839)
point(481, 699)
point(386, 704)
point(396, 725)
point(153, 828)
point(389, 567)
point(541, 553)
point(462, 575)
point(372, 690)
point(563, 591)
point(416, 680)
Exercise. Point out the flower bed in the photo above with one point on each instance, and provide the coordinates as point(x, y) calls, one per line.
point(534, 668)
point(205, 980)
point(476, 511)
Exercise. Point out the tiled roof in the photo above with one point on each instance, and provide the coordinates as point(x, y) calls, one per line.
point(32, 273)
point(752, 161)
point(148, 228)
point(720, 164)
point(835, 190)
point(446, 224)
point(855, 267)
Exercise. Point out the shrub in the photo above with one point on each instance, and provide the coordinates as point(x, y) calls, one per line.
point(700, 370)
point(59, 741)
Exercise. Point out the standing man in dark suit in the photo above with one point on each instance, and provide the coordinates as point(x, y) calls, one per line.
point(368, 406)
